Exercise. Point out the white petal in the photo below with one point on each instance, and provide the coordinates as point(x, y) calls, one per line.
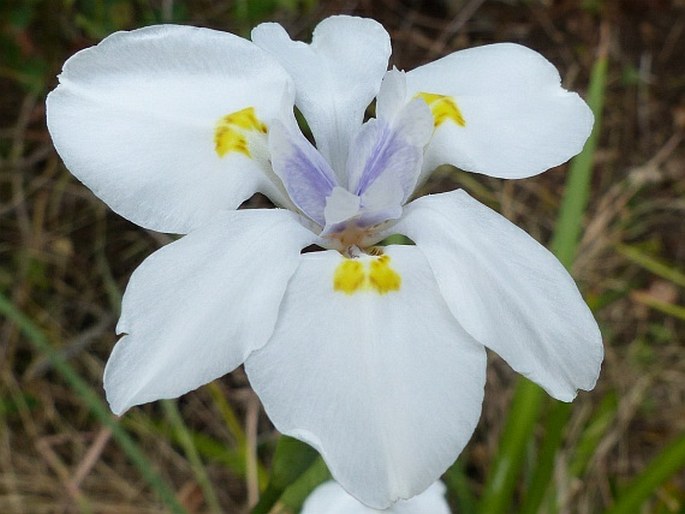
point(508, 291)
point(519, 121)
point(134, 118)
point(336, 76)
point(392, 95)
point(330, 498)
point(196, 308)
point(387, 387)
point(340, 206)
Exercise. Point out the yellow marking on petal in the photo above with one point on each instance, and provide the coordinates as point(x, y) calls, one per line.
point(443, 108)
point(351, 276)
point(230, 132)
point(382, 277)
point(228, 140)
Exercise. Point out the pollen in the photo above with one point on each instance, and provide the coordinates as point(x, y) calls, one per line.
point(231, 132)
point(353, 275)
point(443, 108)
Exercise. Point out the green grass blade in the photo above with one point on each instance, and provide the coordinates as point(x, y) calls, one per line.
point(40, 342)
point(544, 470)
point(186, 440)
point(294, 496)
point(568, 227)
point(651, 264)
point(291, 460)
point(602, 420)
point(457, 483)
point(229, 417)
point(236, 430)
point(670, 461)
point(671, 309)
point(207, 447)
point(499, 489)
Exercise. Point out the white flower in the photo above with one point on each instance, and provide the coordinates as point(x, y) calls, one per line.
point(330, 498)
point(373, 355)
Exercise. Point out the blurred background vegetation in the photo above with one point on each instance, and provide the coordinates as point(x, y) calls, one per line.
point(65, 259)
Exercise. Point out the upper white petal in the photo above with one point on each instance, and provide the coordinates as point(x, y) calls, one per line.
point(508, 291)
point(387, 387)
point(196, 308)
point(519, 120)
point(336, 76)
point(134, 119)
point(331, 498)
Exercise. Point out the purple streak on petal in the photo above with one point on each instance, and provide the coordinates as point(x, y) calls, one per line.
point(390, 159)
point(386, 144)
point(306, 175)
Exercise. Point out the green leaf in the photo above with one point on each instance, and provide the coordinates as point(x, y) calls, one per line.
point(671, 309)
point(569, 224)
point(602, 420)
point(524, 410)
point(292, 459)
point(670, 461)
point(557, 418)
point(294, 496)
point(184, 436)
point(651, 264)
point(457, 482)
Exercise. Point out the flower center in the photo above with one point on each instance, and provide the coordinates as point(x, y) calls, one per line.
point(351, 235)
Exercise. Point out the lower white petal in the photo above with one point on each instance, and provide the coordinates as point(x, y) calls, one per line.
point(331, 498)
point(196, 308)
point(375, 373)
point(508, 291)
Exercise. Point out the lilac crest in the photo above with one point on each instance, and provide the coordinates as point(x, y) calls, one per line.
point(306, 175)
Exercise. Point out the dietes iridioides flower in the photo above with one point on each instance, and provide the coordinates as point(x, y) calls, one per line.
point(375, 355)
point(330, 498)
